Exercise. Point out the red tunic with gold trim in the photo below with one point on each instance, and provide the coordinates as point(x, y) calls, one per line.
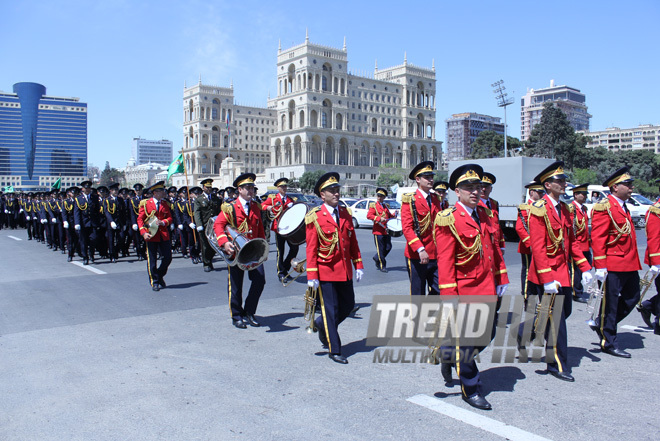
point(470, 261)
point(233, 214)
point(279, 207)
point(380, 214)
point(149, 208)
point(652, 256)
point(613, 237)
point(523, 228)
point(425, 217)
point(553, 244)
point(331, 253)
point(580, 221)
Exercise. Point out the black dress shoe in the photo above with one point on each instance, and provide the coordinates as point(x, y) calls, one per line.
point(155, 287)
point(445, 369)
point(69, 259)
point(195, 260)
point(322, 338)
point(579, 300)
point(617, 352)
point(162, 283)
point(656, 329)
point(338, 358)
point(85, 261)
point(207, 269)
point(478, 401)
point(384, 270)
point(252, 321)
point(239, 323)
point(596, 329)
point(646, 316)
point(562, 376)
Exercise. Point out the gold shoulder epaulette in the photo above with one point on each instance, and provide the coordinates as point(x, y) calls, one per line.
point(143, 201)
point(602, 205)
point(350, 212)
point(655, 208)
point(445, 218)
point(488, 211)
point(538, 208)
point(571, 208)
point(272, 195)
point(407, 198)
point(372, 204)
point(227, 209)
point(311, 216)
point(523, 207)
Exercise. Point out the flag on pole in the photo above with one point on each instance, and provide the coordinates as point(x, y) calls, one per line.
point(9, 189)
point(176, 166)
point(57, 185)
point(228, 130)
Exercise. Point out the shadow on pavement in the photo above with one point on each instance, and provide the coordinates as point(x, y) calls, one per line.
point(500, 379)
point(276, 323)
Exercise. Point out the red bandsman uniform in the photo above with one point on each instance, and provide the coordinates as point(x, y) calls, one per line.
point(613, 237)
point(652, 256)
point(495, 208)
point(553, 244)
point(330, 251)
point(148, 208)
point(380, 214)
point(469, 257)
point(522, 228)
point(425, 217)
point(279, 207)
point(233, 214)
point(580, 221)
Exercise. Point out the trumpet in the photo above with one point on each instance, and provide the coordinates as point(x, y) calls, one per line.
point(595, 298)
point(297, 266)
point(311, 296)
point(645, 284)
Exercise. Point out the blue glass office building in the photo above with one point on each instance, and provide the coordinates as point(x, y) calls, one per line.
point(41, 138)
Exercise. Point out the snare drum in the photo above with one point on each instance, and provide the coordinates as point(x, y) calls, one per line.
point(291, 224)
point(394, 227)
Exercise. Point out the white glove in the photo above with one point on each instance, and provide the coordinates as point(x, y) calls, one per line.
point(601, 274)
point(172, 227)
point(289, 205)
point(313, 283)
point(135, 228)
point(192, 225)
point(358, 275)
point(587, 278)
point(654, 270)
point(77, 227)
point(113, 225)
point(501, 289)
point(27, 218)
point(551, 288)
point(502, 251)
point(7, 211)
point(53, 220)
point(20, 211)
point(180, 227)
point(65, 224)
point(43, 221)
point(200, 228)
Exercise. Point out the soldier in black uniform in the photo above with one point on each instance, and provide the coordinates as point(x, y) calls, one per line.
point(206, 206)
point(86, 213)
point(115, 216)
point(230, 194)
point(27, 211)
point(68, 222)
point(183, 218)
point(134, 210)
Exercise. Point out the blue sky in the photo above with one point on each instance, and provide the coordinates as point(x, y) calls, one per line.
point(129, 59)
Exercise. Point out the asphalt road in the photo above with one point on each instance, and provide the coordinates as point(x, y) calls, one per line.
point(98, 355)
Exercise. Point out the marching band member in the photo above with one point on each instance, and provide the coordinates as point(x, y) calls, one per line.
point(553, 244)
point(614, 244)
point(487, 182)
point(244, 215)
point(332, 252)
point(440, 188)
point(160, 242)
point(471, 263)
point(276, 205)
point(580, 221)
point(652, 258)
point(379, 212)
point(418, 210)
point(206, 206)
point(536, 192)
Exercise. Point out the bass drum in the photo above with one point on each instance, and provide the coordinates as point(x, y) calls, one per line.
point(291, 224)
point(394, 227)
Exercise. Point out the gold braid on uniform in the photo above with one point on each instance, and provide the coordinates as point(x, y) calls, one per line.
point(79, 207)
point(326, 244)
point(538, 209)
point(621, 231)
point(107, 203)
point(425, 222)
point(446, 219)
point(272, 214)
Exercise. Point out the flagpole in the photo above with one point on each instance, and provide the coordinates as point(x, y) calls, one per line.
point(185, 172)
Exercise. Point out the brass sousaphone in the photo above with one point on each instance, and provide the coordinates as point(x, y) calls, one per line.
point(248, 254)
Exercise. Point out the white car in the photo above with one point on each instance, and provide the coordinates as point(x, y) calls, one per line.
point(360, 209)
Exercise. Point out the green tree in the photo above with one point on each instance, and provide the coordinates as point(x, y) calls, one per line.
point(308, 180)
point(390, 174)
point(110, 176)
point(553, 137)
point(581, 176)
point(490, 144)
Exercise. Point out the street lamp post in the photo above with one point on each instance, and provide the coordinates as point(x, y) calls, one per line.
point(502, 101)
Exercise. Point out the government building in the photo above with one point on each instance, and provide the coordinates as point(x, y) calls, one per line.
point(643, 137)
point(42, 138)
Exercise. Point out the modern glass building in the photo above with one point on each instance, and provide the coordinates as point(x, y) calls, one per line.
point(42, 138)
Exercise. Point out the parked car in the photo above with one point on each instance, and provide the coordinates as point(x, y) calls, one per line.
point(310, 201)
point(347, 202)
point(360, 209)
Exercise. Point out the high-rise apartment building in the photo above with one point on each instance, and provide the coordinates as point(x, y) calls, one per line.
point(644, 137)
point(146, 151)
point(42, 138)
point(331, 119)
point(570, 100)
point(463, 129)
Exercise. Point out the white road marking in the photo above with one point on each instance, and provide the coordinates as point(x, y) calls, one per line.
point(636, 328)
point(15, 238)
point(89, 268)
point(482, 422)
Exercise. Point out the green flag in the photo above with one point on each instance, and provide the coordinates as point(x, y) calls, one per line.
point(176, 166)
point(57, 185)
point(9, 189)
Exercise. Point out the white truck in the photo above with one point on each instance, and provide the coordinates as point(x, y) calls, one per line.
point(509, 189)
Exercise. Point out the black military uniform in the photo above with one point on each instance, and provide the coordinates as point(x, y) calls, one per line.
point(86, 213)
point(206, 206)
point(68, 222)
point(184, 222)
point(133, 212)
point(115, 217)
